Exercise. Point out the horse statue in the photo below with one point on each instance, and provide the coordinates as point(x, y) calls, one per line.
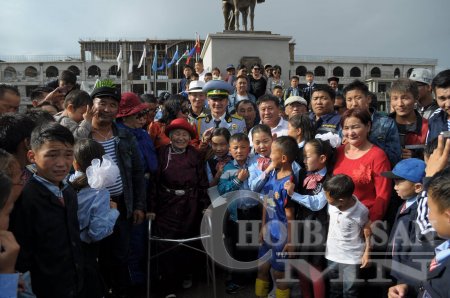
point(232, 9)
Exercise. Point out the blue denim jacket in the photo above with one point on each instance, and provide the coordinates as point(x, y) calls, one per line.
point(384, 134)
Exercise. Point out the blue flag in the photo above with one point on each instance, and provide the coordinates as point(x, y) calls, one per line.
point(164, 62)
point(155, 61)
point(174, 59)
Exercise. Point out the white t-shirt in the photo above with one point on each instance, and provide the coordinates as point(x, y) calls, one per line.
point(345, 242)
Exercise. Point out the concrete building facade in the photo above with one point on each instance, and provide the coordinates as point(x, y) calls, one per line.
point(98, 60)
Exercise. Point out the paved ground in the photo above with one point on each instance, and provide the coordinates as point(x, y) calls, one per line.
point(201, 289)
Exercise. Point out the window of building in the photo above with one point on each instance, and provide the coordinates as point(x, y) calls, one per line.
point(408, 73)
point(74, 69)
point(375, 72)
point(300, 71)
point(137, 72)
point(355, 72)
point(338, 71)
point(31, 72)
point(397, 73)
point(319, 71)
point(94, 71)
point(10, 73)
point(113, 71)
point(51, 72)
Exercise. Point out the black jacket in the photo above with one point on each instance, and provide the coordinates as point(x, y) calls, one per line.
point(437, 283)
point(49, 237)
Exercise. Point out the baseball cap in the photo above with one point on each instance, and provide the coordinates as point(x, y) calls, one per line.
point(411, 169)
point(421, 75)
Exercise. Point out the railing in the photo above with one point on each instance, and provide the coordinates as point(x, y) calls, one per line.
point(40, 58)
point(365, 60)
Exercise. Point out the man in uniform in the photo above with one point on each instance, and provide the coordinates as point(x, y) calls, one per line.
point(217, 92)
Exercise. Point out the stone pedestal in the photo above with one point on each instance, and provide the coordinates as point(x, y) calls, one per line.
point(236, 47)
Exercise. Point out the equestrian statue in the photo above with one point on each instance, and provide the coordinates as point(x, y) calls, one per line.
point(232, 9)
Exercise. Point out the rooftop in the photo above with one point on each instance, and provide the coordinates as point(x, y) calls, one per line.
point(39, 58)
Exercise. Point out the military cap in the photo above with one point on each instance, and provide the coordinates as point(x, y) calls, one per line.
point(217, 89)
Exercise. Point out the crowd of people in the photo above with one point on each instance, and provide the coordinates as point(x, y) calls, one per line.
point(344, 187)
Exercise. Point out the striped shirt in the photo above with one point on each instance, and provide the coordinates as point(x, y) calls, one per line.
point(110, 149)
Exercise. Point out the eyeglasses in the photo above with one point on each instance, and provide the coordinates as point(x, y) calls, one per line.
point(255, 68)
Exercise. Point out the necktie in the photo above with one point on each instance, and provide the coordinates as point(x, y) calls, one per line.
point(61, 200)
point(263, 163)
point(217, 123)
point(403, 208)
point(433, 264)
point(311, 180)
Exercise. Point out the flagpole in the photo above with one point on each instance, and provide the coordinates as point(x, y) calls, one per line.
point(196, 54)
point(145, 85)
point(167, 77)
point(178, 83)
point(130, 67)
point(154, 75)
point(121, 76)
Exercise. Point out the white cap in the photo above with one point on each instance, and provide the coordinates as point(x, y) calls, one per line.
point(292, 99)
point(196, 86)
point(421, 75)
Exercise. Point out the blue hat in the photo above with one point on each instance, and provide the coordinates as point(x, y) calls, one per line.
point(411, 169)
point(217, 89)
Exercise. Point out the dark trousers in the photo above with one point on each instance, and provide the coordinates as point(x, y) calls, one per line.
point(113, 257)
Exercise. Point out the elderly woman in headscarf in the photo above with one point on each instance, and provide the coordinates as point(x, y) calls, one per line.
point(181, 197)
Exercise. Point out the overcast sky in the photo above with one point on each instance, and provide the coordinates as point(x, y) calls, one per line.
point(382, 28)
